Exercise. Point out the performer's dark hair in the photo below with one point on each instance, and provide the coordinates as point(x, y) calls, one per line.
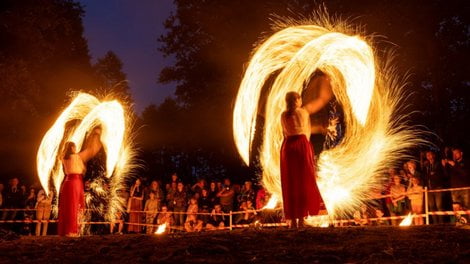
point(68, 149)
point(291, 98)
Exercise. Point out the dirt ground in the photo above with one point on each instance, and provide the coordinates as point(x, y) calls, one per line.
point(426, 244)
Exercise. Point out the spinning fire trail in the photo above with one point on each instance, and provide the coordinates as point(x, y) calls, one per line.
point(368, 90)
point(90, 112)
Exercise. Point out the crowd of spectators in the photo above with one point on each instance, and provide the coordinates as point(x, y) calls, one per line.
point(205, 205)
point(403, 194)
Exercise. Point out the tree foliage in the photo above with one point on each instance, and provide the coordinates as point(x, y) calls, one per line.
point(212, 40)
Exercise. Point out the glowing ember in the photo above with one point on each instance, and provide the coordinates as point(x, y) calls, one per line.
point(368, 93)
point(407, 221)
point(273, 201)
point(90, 112)
point(161, 229)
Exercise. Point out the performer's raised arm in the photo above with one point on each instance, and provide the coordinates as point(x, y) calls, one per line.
point(92, 145)
point(325, 93)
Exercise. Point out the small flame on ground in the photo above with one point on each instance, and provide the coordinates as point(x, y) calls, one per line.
point(161, 229)
point(407, 221)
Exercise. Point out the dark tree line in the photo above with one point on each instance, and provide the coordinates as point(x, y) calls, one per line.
point(212, 41)
point(43, 57)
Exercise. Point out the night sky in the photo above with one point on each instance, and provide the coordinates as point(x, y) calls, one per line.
point(130, 29)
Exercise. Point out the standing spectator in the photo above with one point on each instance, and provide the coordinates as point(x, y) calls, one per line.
point(459, 177)
point(198, 187)
point(434, 178)
point(213, 191)
point(155, 188)
point(415, 194)
point(174, 178)
point(247, 193)
point(43, 211)
point(134, 207)
point(261, 198)
point(180, 200)
point(397, 192)
point(1, 194)
point(192, 222)
point(226, 196)
point(151, 210)
point(13, 199)
point(412, 172)
point(29, 205)
point(117, 220)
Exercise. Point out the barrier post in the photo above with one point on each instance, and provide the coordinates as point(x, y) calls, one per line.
point(230, 220)
point(426, 205)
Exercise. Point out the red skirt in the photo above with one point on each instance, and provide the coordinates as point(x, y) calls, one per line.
point(136, 218)
point(300, 193)
point(71, 204)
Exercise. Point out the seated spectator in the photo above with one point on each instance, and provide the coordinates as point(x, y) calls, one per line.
point(249, 213)
point(165, 217)
point(415, 194)
point(192, 222)
point(380, 222)
point(205, 206)
point(217, 219)
point(43, 211)
point(151, 210)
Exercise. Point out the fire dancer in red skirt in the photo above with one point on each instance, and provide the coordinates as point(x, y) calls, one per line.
point(71, 197)
point(300, 193)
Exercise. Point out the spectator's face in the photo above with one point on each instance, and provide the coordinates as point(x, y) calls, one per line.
point(154, 185)
point(15, 182)
point(213, 185)
point(392, 171)
point(430, 156)
point(164, 209)
point(137, 182)
point(217, 208)
point(23, 188)
point(411, 166)
point(248, 185)
point(180, 187)
point(173, 185)
point(204, 192)
point(193, 201)
point(457, 154)
point(152, 195)
point(396, 180)
point(415, 181)
point(174, 177)
point(227, 182)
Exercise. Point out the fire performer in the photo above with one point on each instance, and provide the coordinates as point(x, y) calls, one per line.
point(300, 193)
point(71, 197)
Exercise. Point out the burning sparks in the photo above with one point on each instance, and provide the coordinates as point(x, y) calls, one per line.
point(273, 201)
point(407, 221)
point(368, 93)
point(90, 112)
point(161, 229)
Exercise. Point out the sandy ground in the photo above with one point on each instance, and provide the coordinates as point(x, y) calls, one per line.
point(426, 244)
